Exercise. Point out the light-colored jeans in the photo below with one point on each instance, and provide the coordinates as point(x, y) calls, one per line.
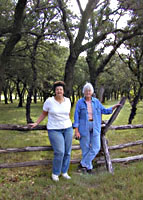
point(90, 146)
point(61, 141)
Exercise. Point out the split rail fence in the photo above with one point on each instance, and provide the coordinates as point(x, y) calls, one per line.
point(105, 148)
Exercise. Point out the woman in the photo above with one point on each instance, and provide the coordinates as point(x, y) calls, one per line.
point(87, 124)
point(59, 128)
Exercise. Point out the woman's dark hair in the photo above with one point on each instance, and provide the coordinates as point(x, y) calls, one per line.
point(58, 83)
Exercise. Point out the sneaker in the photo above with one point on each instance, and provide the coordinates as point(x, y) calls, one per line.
point(66, 176)
point(55, 177)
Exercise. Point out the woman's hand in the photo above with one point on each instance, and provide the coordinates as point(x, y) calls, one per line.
point(116, 105)
point(33, 125)
point(41, 117)
point(77, 135)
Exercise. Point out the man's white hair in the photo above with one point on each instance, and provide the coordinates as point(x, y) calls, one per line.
point(88, 86)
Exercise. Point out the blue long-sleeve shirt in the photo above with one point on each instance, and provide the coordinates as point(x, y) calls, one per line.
point(81, 116)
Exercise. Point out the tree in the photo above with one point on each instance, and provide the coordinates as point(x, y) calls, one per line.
point(134, 61)
point(13, 39)
point(96, 58)
point(117, 80)
point(80, 42)
point(75, 44)
point(81, 76)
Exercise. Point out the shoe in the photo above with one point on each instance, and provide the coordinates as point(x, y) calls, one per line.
point(82, 169)
point(55, 177)
point(66, 176)
point(89, 171)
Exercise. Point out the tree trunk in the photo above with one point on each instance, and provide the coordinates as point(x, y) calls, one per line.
point(20, 93)
point(90, 59)
point(134, 105)
point(69, 74)
point(101, 94)
point(73, 98)
point(5, 91)
point(28, 106)
point(20, 104)
point(10, 97)
point(5, 96)
point(35, 96)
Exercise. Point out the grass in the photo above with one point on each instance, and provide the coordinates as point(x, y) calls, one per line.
point(34, 183)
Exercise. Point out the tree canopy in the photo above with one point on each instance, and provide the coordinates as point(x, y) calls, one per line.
point(32, 56)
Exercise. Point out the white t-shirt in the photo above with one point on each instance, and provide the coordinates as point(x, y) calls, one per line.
point(58, 113)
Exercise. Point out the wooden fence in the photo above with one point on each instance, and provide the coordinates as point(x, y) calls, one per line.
point(105, 127)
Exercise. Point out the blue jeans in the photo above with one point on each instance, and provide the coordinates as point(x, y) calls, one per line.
point(61, 141)
point(90, 146)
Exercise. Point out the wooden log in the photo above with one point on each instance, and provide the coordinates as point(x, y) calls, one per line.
point(103, 139)
point(74, 147)
point(106, 154)
point(15, 127)
point(47, 162)
point(31, 163)
point(121, 146)
point(21, 127)
point(114, 115)
point(125, 127)
point(26, 164)
point(33, 148)
point(121, 160)
point(26, 149)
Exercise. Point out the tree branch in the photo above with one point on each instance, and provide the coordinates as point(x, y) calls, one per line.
point(79, 5)
point(64, 18)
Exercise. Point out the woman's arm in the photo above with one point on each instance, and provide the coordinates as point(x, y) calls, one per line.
point(108, 110)
point(76, 115)
point(76, 121)
point(41, 118)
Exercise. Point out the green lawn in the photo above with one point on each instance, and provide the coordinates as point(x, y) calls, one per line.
point(34, 183)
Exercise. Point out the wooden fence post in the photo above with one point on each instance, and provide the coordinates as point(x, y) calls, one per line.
point(106, 154)
point(104, 140)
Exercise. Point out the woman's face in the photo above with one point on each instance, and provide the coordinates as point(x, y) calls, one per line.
point(88, 93)
point(59, 91)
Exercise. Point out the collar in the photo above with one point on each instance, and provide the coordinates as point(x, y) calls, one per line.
point(92, 99)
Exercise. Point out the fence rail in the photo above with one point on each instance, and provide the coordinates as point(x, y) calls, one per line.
point(74, 147)
point(15, 127)
point(105, 127)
